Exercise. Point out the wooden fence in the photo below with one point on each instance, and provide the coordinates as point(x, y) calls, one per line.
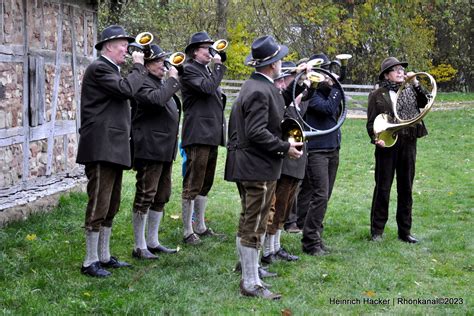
point(232, 88)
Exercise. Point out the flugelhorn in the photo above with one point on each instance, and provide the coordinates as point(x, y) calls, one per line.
point(176, 59)
point(142, 44)
point(218, 46)
point(384, 127)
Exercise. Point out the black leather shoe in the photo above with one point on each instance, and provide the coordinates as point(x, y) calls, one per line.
point(143, 254)
point(161, 249)
point(114, 263)
point(268, 259)
point(376, 237)
point(408, 238)
point(210, 233)
point(282, 254)
point(95, 270)
point(192, 239)
point(258, 291)
point(316, 251)
point(262, 273)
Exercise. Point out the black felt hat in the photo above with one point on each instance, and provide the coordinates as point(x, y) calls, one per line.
point(156, 53)
point(388, 63)
point(111, 33)
point(198, 39)
point(322, 56)
point(265, 51)
point(287, 72)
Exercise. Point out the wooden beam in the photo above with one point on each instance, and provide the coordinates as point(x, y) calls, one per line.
point(2, 22)
point(15, 135)
point(94, 34)
point(75, 73)
point(42, 40)
point(54, 101)
point(26, 123)
point(84, 44)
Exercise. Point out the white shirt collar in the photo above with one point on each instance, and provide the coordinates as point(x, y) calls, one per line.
point(270, 79)
point(111, 62)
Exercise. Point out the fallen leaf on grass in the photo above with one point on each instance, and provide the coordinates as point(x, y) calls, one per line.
point(370, 293)
point(31, 237)
point(417, 283)
point(286, 312)
point(174, 216)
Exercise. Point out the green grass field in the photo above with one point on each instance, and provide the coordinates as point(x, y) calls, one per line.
point(40, 258)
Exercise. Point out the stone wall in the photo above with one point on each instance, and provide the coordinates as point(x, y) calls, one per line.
point(43, 56)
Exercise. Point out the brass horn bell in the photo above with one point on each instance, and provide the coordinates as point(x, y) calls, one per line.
point(142, 44)
point(384, 127)
point(218, 46)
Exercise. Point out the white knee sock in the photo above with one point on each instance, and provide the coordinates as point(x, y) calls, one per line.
point(92, 241)
point(104, 243)
point(268, 245)
point(139, 221)
point(276, 243)
point(249, 260)
point(187, 212)
point(154, 219)
point(200, 204)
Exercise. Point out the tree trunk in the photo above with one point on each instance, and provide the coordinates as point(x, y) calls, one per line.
point(115, 10)
point(222, 18)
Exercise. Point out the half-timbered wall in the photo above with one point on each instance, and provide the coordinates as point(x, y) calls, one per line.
point(45, 46)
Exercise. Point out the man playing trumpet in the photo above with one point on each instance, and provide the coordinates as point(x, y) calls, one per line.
point(155, 125)
point(203, 131)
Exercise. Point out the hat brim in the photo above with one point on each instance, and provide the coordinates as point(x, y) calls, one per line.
point(159, 56)
point(381, 75)
point(190, 46)
point(281, 54)
point(99, 45)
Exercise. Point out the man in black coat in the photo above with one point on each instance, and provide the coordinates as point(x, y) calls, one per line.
point(257, 155)
point(104, 146)
point(155, 127)
point(400, 159)
point(323, 160)
point(203, 130)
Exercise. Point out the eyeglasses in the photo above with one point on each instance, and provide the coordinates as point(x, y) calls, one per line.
point(398, 69)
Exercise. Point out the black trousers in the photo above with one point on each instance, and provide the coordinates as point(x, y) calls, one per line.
point(399, 159)
point(321, 171)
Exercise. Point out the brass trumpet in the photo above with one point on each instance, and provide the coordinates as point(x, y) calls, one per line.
point(387, 131)
point(142, 44)
point(176, 59)
point(218, 46)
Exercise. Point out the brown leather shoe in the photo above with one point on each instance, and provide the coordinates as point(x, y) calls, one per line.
point(161, 249)
point(192, 239)
point(143, 254)
point(258, 291)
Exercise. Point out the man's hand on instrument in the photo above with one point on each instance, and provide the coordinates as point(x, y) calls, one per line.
point(138, 57)
point(293, 152)
point(217, 59)
point(380, 143)
point(173, 72)
point(413, 80)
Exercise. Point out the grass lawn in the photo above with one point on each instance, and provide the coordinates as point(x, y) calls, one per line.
point(40, 258)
